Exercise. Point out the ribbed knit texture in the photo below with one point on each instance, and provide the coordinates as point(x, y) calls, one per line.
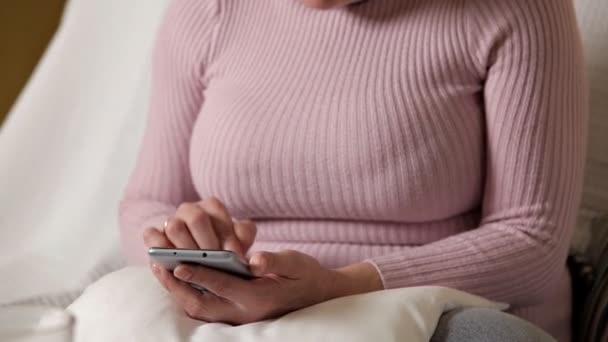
point(442, 141)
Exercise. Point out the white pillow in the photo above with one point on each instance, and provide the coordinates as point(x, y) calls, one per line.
point(129, 305)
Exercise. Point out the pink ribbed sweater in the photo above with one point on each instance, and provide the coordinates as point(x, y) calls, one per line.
point(442, 140)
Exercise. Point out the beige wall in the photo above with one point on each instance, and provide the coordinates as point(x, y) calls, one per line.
point(25, 29)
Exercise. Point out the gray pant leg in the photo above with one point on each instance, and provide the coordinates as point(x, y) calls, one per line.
point(485, 325)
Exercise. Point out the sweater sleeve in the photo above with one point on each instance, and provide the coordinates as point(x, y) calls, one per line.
point(535, 114)
point(161, 179)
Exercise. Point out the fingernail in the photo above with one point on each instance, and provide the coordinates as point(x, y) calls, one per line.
point(256, 266)
point(155, 268)
point(183, 273)
point(254, 260)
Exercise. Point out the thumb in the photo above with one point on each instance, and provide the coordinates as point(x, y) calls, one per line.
point(288, 264)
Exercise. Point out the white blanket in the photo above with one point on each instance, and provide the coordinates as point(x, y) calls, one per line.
point(130, 305)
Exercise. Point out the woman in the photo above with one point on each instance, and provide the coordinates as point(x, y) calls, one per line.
point(370, 145)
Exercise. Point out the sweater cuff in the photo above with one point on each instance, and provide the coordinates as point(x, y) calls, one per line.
point(414, 266)
point(379, 270)
point(393, 271)
point(446, 265)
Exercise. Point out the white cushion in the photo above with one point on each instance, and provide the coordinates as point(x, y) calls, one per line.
point(130, 305)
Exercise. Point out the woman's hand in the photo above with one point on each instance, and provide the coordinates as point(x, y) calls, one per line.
point(203, 225)
point(288, 281)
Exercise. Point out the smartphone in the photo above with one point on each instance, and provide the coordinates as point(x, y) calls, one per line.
point(221, 260)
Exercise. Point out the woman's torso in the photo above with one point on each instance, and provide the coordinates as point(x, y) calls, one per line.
point(350, 133)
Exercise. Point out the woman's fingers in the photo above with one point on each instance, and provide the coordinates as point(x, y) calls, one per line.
point(245, 231)
point(154, 238)
point(223, 225)
point(289, 264)
point(178, 233)
point(208, 225)
point(219, 283)
point(199, 225)
point(205, 307)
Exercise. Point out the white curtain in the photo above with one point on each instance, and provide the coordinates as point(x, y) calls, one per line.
point(68, 146)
